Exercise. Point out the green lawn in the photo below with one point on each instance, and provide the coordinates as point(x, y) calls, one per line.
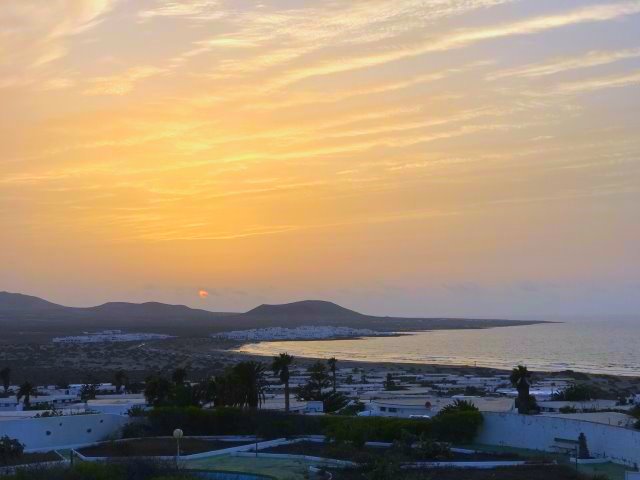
point(279, 468)
point(612, 470)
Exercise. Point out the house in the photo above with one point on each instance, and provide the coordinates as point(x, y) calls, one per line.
point(8, 404)
point(586, 406)
point(398, 408)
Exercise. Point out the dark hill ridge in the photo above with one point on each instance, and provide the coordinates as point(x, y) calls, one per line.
point(31, 314)
point(306, 308)
point(18, 302)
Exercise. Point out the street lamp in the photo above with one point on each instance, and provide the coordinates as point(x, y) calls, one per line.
point(178, 434)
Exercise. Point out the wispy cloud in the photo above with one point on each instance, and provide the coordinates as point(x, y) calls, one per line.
point(591, 85)
point(558, 65)
point(36, 34)
point(121, 84)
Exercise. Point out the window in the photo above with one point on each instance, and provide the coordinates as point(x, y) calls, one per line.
point(391, 409)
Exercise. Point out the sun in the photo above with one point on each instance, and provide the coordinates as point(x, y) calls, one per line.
point(203, 293)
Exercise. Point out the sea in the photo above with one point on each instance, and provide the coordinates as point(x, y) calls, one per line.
point(607, 347)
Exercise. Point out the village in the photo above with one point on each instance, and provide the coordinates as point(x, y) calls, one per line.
point(563, 410)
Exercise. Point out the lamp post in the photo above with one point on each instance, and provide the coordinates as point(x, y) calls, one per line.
point(178, 434)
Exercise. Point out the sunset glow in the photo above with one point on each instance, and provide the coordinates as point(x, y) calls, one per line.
point(414, 157)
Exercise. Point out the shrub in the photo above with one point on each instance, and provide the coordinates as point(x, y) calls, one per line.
point(134, 469)
point(457, 426)
point(453, 425)
point(580, 393)
point(568, 409)
point(358, 430)
point(10, 449)
point(429, 449)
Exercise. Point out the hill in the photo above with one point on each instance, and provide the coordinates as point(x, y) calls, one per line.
point(317, 312)
point(28, 314)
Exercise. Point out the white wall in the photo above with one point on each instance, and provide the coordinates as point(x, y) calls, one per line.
point(537, 432)
point(64, 431)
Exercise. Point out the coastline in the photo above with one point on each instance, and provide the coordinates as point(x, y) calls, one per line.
point(541, 348)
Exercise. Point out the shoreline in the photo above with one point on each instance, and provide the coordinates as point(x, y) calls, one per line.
point(613, 383)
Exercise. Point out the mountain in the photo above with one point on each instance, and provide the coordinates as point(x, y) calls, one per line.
point(20, 312)
point(310, 310)
point(317, 312)
point(24, 313)
point(15, 302)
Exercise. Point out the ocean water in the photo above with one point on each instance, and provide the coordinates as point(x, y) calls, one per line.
point(611, 347)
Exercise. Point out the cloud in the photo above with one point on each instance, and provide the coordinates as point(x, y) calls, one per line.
point(35, 34)
point(594, 84)
point(463, 38)
point(121, 84)
point(558, 65)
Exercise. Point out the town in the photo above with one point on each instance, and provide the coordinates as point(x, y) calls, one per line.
point(285, 419)
point(298, 333)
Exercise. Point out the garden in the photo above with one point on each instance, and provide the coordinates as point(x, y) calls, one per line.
point(152, 447)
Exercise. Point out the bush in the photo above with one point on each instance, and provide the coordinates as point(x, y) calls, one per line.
point(358, 430)
point(10, 449)
point(568, 409)
point(136, 430)
point(232, 421)
point(457, 426)
point(135, 469)
point(458, 422)
point(580, 393)
point(454, 425)
point(429, 449)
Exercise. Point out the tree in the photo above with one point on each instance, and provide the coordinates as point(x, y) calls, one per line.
point(224, 394)
point(120, 379)
point(318, 380)
point(88, 391)
point(26, 391)
point(10, 449)
point(521, 380)
point(5, 376)
point(179, 376)
point(280, 367)
point(250, 384)
point(577, 393)
point(458, 422)
point(459, 406)
point(389, 383)
point(157, 390)
point(333, 363)
point(204, 392)
point(583, 450)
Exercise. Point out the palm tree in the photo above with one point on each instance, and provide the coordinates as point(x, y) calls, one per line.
point(120, 379)
point(157, 390)
point(224, 393)
point(521, 380)
point(179, 376)
point(205, 391)
point(249, 385)
point(25, 391)
point(280, 367)
point(458, 406)
point(5, 375)
point(318, 381)
point(333, 363)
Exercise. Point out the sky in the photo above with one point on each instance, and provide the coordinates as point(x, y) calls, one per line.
point(404, 157)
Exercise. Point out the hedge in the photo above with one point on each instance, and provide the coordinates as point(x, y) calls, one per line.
point(458, 426)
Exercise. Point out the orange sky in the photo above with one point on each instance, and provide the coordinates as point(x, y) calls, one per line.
point(417, 157)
